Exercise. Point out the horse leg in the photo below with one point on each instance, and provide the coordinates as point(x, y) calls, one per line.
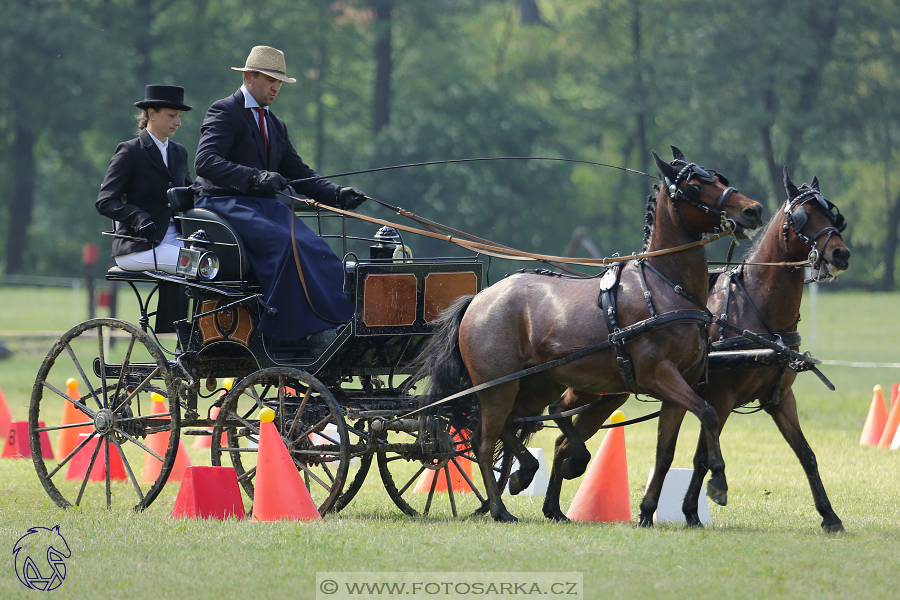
point(528, 464)
point(785, 416)
point(671, 386)
point(496, 404)
point(670, 419)
point(568, 458)
point(723, 403)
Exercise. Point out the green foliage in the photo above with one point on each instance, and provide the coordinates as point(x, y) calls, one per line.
point(743, 87)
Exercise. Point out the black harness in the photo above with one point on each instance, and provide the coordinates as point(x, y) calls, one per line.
point(618, 336)
point(795, 218)
point(691, 192)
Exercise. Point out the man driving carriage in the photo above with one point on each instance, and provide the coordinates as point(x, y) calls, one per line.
point(244, 159)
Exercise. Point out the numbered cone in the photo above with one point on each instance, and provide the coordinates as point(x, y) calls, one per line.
point(604, 494)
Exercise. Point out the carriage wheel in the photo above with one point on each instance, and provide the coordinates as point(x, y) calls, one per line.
point(309, 420)
point(360, 461)
point(434, 485)
point(129, 445)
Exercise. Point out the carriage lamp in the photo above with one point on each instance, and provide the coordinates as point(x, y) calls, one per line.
point(195, 261)
point(389, 247)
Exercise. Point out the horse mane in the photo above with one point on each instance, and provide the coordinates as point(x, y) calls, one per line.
point(759, 237)
point(649, 217)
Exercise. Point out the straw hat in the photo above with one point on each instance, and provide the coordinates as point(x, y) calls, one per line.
point(163, 96)
point(269, 61)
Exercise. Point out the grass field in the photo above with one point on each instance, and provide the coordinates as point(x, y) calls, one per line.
point(765, 544)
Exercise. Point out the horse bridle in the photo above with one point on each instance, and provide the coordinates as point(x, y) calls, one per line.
point(795, 219)
point(691, 193)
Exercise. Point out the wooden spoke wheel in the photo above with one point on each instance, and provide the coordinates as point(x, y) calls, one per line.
point(360, 461)
point(434, 473)
point(92, 402)
point(307, 417)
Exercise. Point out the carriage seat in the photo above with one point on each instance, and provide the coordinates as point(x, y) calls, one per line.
point(226, 242)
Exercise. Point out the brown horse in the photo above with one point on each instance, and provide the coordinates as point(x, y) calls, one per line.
point(530, 319)
point(807, 226)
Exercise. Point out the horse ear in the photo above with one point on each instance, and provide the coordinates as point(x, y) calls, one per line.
point(678, 154)
point(815, 184)
point(665, 168)
point(789, 186)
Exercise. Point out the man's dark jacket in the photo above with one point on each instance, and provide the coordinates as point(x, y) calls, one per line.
point(231, 150)
point(134, 189)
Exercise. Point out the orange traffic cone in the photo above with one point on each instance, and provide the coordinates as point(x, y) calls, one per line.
point(205, 441)
point(279, 491)
point(68, 438)
point(5, 417)
point(875, 421)
point(457, 482)
point(604, 494)
point(890, 427)
point(895, 391)
point(159, 443)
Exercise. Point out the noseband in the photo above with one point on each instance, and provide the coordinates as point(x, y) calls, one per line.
point(691, 193)
point(795, 219)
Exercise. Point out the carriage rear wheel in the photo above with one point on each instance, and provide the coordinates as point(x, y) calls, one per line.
point(425, 475)
point(309, 420)
point(93, 399)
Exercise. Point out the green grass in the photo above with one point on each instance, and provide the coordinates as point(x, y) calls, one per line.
point(766, 543)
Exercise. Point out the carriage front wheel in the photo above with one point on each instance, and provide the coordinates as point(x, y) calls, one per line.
point(307, 417)
point(100, 404)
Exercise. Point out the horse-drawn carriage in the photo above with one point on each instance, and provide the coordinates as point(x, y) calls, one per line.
point(336, 410)
point(642, 328)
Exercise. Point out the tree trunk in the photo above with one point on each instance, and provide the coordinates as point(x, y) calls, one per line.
point(21, 200)
point(381, 102)
point(890, 244)
point(639, 88)
point(320, 104)
point(530, 13)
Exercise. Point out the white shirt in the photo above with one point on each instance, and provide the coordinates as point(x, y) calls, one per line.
point(163, 148)
point(250, 102)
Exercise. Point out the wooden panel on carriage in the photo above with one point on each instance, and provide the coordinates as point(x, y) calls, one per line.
point(406, 297)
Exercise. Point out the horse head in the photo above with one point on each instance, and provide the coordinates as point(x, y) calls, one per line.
point(714, 205)
point(812, 227)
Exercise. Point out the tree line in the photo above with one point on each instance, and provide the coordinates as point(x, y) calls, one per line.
point(743, 87)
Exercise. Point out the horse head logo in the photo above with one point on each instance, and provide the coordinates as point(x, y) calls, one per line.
point(40, 558)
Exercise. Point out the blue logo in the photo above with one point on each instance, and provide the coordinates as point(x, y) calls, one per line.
point(40, 558)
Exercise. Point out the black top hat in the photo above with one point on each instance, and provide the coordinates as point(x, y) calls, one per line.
point(163, 96)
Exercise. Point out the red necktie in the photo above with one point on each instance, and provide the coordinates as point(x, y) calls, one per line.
point(262, 127)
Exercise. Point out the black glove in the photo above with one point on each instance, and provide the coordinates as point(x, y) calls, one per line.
point(145, 228)
point(349, 198)
point(268, 182)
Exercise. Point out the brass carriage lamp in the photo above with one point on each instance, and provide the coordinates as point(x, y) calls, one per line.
point(195, 261)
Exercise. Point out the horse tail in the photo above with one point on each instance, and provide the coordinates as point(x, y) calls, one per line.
point(440, 363)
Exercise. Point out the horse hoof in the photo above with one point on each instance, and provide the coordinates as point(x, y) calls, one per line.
point(505, 517)
point(518, 482)
point(557, 516)
point(572, 469)
point(484, 509)
point(645, 521)
point(693, 522)
point(719, 496)
point(833, 527)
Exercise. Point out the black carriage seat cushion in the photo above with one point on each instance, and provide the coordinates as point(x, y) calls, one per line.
point(230, 248)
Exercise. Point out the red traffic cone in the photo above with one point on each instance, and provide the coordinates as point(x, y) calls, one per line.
point(875, 421)
point(5, 417)
point(279, 492)
point(205, 441)
point(209, 493)
point(604, 494)
point(159, 443)
point(457, 482)
point(68, 438)
point(18, 444)
point(79, 464)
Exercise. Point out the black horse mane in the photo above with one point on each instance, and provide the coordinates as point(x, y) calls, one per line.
point(649, 217)
point(759, 237)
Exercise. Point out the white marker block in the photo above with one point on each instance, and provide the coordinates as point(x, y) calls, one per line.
point(672, 497)
point(895, 443)
point(541, 479)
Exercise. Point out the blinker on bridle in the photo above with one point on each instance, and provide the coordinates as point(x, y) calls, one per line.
point(691, 193)
point(795, 219)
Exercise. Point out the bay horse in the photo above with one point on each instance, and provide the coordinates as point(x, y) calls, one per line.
point(529, 319)
point(760, 295)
